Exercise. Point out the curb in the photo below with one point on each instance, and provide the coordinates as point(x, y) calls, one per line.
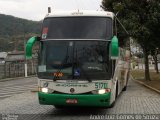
point(16, 78)
point(154, 89)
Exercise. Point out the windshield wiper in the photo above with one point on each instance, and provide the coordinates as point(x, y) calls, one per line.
point(84, 72)
point(86, 76)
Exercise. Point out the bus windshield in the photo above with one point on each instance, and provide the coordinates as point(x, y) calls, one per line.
point(75, 60)
point(77, 28)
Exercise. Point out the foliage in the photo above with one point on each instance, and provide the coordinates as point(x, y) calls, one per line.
point(142, 19)
point(139, 74)
point(15, 31)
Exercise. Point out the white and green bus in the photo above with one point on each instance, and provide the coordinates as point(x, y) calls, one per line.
point(81, 60)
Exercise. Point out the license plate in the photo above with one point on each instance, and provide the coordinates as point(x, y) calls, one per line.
point(71, 101)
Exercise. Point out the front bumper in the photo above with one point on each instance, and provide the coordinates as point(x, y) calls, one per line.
point(95, 100)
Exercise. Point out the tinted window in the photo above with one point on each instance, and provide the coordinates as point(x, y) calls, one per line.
point(77, 28)
point(75, 59)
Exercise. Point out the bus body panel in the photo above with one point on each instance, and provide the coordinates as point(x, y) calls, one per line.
point(83, 93)
point(82, 100)
point(80, 87)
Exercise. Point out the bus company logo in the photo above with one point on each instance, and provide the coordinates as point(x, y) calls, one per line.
point(77, 13)
point(72, 90)
point(71, 85)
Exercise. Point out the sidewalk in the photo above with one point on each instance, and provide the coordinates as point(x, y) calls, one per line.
point(154, 84)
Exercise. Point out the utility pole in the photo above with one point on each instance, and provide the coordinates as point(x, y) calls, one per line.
point(25, 60)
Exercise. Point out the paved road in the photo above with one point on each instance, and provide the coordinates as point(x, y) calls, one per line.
point(136, 100)
point(10, 88)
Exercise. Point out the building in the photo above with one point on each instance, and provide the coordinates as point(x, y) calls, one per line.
point(3, 56)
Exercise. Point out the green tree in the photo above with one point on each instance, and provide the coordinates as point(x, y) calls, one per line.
point(154, 26)
point(15, 30)
point(137, 16)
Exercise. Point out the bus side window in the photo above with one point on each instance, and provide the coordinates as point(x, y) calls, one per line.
point(115, 27)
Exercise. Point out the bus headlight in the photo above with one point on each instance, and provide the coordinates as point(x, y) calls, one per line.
point(102, 91)
point(45, 90)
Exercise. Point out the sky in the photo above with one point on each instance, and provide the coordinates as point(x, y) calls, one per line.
point(37, 9)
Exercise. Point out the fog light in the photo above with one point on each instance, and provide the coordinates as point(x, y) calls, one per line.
point(45, 90)
point(102, 91)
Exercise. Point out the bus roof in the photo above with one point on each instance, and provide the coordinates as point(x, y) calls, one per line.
point(78, 13)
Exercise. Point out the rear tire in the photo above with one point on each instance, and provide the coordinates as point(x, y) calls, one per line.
point(125, 87)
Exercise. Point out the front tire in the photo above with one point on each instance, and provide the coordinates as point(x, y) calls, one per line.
point(112, 105)
point(59, 106)
point(125, 88)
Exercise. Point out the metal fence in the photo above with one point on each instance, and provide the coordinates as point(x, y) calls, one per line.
point(11, 69)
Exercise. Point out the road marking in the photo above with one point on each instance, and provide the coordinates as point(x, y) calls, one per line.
point(11, 84)
point(17, 87)
point(16, 90)
point(10, 92)
point(5, 96)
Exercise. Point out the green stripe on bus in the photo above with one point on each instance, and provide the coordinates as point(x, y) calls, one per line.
point(96, 100)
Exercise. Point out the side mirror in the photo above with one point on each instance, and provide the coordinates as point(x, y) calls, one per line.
point(114, 48)
point(29, 46)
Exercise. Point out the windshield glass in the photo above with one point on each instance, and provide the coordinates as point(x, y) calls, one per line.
point(77, 28)
point(82, 60)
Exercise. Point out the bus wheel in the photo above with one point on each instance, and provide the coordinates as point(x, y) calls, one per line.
point(59, 106)
point(112, 105)
point(125, 88)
